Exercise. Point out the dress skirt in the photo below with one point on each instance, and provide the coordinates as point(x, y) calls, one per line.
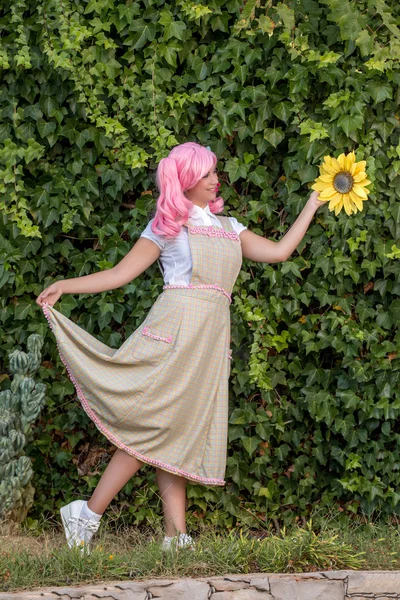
point(161, 396)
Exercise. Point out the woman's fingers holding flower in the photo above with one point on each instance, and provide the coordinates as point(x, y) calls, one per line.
point(314, 199)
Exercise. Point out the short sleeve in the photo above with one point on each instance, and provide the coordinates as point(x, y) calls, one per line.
point(154, 237)
point(236, 226)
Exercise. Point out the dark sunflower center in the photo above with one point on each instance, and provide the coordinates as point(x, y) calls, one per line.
point(343, 182)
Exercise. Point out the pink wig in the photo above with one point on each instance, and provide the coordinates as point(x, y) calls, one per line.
point(184, 166)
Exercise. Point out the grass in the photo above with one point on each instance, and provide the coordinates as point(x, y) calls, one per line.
point(39, 559)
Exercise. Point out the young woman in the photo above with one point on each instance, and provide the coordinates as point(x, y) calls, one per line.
point(162, 397)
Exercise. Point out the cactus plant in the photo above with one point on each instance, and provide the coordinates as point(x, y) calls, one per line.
point(19, 407)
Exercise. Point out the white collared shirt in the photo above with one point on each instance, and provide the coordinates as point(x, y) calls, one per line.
point(175, 258)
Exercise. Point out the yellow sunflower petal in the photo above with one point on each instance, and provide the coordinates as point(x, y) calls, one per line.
point(336, 165)
point(350, 160)
point(319, 186)
point(338, 208)
point(330, 170)
point(327, 193)
point(342, 161)
point(359, 176)
point(352, 156)
point(356, 200)
point(360, 166)
point(357, 189)
point(335, 200)
point(326, 178)
point(327, 160)
point(354, 208)
point(347, 204)
point(364, 182)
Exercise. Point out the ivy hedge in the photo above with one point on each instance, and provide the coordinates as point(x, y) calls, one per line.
point(93, 93)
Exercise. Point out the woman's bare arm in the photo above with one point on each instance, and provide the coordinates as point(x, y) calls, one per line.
point(257, 248)
point(138, 259)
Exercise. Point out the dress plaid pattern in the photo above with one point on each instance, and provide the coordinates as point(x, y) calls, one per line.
point(163, 395)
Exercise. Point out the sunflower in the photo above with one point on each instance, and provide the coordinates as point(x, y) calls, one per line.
point(342, 183)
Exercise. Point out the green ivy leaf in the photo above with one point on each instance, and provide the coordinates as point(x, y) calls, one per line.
point(171, 28)
point(235, 169)
point(250, 444)
point(350, 123)
point(274, 136)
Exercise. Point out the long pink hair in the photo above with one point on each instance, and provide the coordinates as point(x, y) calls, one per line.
point(184, 166)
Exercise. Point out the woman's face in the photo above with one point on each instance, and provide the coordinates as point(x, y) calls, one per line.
point(205, 190)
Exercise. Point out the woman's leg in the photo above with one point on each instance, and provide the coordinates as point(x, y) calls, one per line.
point(118, 472)
point(173, 495)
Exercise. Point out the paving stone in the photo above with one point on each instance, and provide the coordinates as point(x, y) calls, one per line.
point(244, 578)
point(71, 592)
point(296, 576)
point(89, 596)
point(335, 574)
point(132, 591)
point(144, 585)
point(27, 596)
point(372, 596)
point(138, 586)
point(224, 585)
point(367, 597)
point(126, 594)
point(86, 595)
point(249, 594)
point(188, 589)
point(121, 591)
point(303, 589)
point(260, 583)
point(373, 582)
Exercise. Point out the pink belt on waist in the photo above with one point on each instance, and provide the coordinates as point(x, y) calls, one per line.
point(204, 286)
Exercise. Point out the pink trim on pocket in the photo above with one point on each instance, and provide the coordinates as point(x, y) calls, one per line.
point(145, 331)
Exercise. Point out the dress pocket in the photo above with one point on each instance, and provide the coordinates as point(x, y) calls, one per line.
point(156, 338)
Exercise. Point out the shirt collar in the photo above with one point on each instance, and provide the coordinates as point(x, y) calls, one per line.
point(197, 211)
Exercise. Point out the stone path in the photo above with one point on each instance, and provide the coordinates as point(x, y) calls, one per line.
point(327, 585)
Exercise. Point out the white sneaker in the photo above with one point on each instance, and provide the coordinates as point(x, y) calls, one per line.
point(183, 541)
point(78, 530)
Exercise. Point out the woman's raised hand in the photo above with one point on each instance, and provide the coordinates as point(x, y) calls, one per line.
point(313, 200)
point(50, 295)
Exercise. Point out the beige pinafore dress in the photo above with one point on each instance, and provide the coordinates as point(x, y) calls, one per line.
point(163, 395)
